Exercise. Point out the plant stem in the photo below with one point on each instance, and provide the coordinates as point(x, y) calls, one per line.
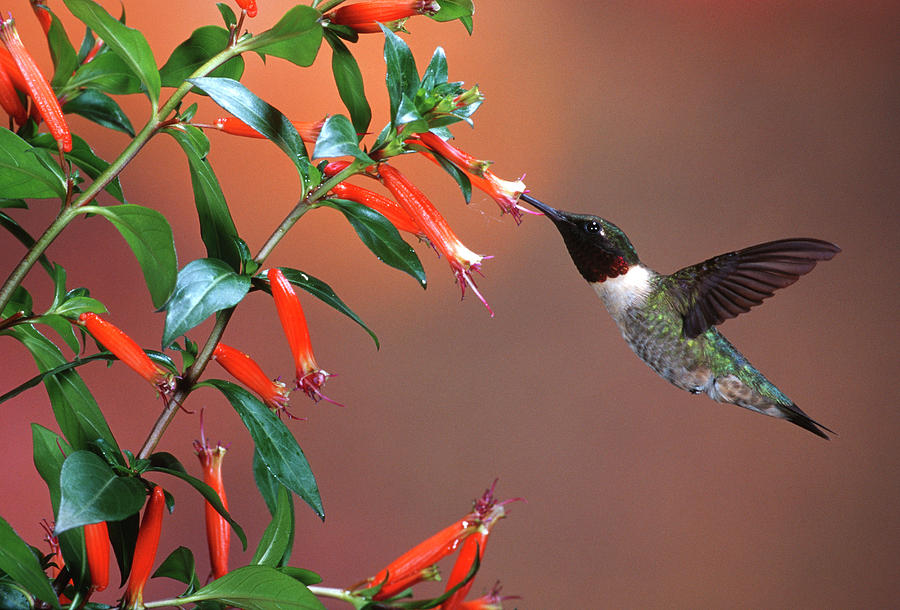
point(157, 121)
point(224, 316)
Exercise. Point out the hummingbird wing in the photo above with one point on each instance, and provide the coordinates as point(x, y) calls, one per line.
point(728, 285)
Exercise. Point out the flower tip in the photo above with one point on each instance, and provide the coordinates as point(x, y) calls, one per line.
point(311, 383)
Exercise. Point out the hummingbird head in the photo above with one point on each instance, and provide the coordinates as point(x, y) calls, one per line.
point(599, 249)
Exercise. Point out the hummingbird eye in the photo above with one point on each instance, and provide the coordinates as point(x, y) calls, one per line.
point(593, 227)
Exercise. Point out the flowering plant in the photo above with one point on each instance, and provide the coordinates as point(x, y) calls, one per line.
point(97, 487)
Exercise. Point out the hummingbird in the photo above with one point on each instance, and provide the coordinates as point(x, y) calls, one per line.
point(670, 321)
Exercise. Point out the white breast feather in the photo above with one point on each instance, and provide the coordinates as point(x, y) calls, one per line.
point(620, 293)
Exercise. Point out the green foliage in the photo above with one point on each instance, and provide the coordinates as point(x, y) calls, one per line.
point(191, 54)
point(257, 587)
point(296, 37)
point(23, 174)
point(100, 108)
point(92, 492)
point(274, 547)
point(349, 81)
point(20, 563)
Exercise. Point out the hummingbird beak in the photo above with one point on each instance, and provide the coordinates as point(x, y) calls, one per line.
point(551, 213)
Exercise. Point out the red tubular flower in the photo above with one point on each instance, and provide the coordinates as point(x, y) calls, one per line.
point(126, 350)
point(506, 193)
point(9, 98)
point(37, 86)
point(364, 17)
point(96, 542)
point(414, 565)
point(308, 130)
point(12, 70)
point(249, 6)
point(218, 532)
point(42, 14)
point(145, 549)
point(310, 377)
point(243, 368)
point(386, 207)
point(488, 512)
point(462, 260)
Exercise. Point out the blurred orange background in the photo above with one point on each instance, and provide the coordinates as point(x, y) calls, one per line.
point(698, 128)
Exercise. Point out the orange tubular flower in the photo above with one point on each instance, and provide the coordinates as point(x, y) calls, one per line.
point(37, 86)
point(218, 532)
point(505, 192)
point(9, 98)
point(462, 260)
point(126, 350)
point(308, 130)
point(249, 6)
point(243, 368)
point(310, 377)
point(96, 542)
point(488, 512)
point(414, 565)
point(384, 206)
point(364, 17)
point(145, 549)
point(42, 14)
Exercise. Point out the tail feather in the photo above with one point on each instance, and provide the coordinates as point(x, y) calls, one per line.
point(795, 415)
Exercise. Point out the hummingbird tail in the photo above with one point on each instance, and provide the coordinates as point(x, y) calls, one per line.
point(795, 415)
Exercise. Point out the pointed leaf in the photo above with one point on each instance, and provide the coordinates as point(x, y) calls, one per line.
point(402, 77)
point(100, 108)
point(278, 538)
point(258, 588)
point(122, 538)
point(216, 224)
point(127, 43)
point(318, 289)
point(338, 139)
point(203, 44)
point(91, 492)
point(77, 414)
point(349, 81)
point(296, 37)
point(107, 72)
point(180, 566)
point(62, 52)
point(380, 236)
point(150, 237)
point(267, 120)
point(22, 174)
point(82, 156)
point(204, 286)
point(266, 482)
point(49, 451)
point(277, 447)
point(20, 563)
point(436, 72)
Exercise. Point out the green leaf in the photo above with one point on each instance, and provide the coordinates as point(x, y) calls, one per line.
point(257, 588)
point(22, 174)
point(14, 598)
point(62, 327)
point(204, 286)
point(180, 566)
point(19, 303)
point(266, 482)
point(228, 15)
point(62, 53)
point(100, 108)
point(91, 492)
point(82, 156)
point(277, 447)
point(454, 9)
point(21, 564)
point(209, 494)
point(203, 44)
point(380, 236)
point(402, 77)
point(74, 306)
point(127, 43)
point(349, 81)
point(307, 577)
point(37, 379)
point(49, 450)
point(465, 185)
point(409, 117)
point(107, 72)
point(296, 37)
point(267, 120)
point(318, 289)
point(338, 139)
point(122, 538)
point(278, 538)
point(23, 236)
point(436, 72)
point(77, 414)
point(216, 224)
point(150, 237)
